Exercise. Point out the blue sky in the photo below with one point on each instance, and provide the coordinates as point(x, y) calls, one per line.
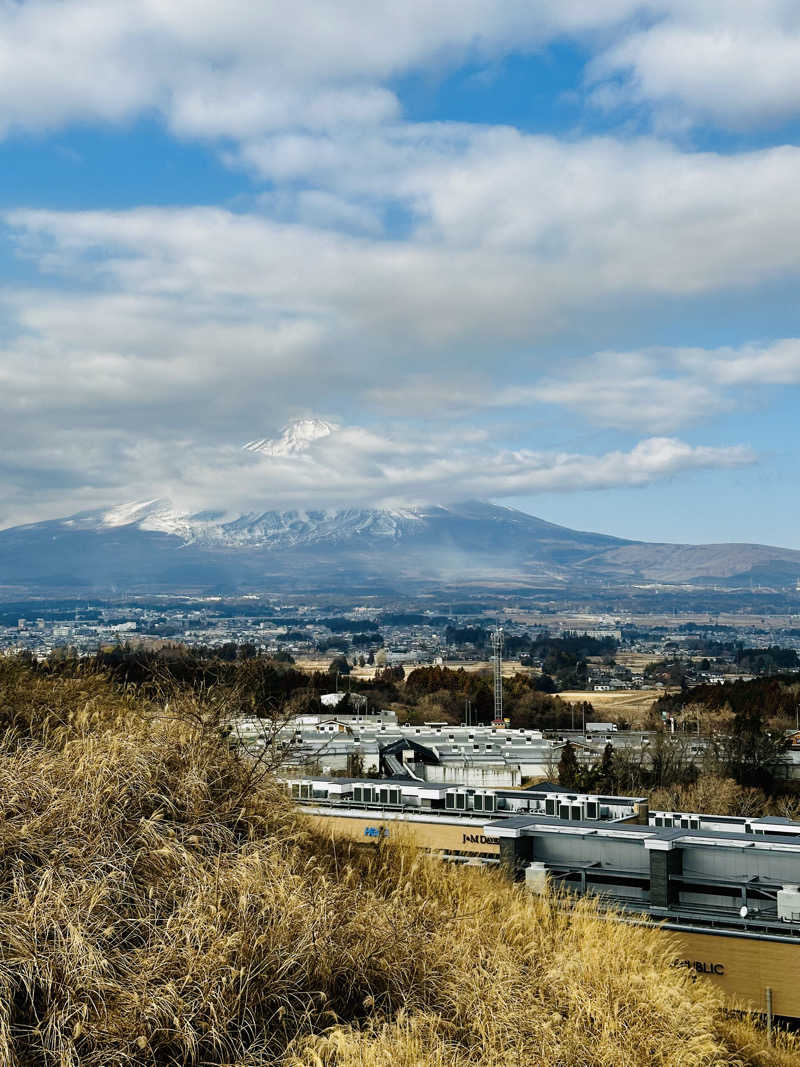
point(544, 254)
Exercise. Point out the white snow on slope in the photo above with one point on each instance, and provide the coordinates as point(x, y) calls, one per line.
point(136, 512)
point(295, 438)
point(279, 529)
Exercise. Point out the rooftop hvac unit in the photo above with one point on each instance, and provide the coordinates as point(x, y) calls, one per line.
point(789, 904)
point(536, 877)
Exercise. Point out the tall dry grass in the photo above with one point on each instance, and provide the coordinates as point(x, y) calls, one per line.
point(160, 904)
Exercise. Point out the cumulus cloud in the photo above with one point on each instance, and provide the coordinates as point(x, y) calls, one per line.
point(662, 388)
point(512, 233)
point(238, 70)
point(733, 64)
point(655, 389)
point(605, 393)
point(747, 365)
point(191, 328)
point(181, 310)
point(158, 336)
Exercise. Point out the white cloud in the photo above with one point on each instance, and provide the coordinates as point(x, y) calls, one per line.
point(191, 328)
point(662, 388)
point(238, 69)
point(747, 365)
point(604, 394)
point(329, 463)
point(513, 231)
point(654, 390)
point(730, 63)
point(351, 465)
point(160, 333)
point(356, 465)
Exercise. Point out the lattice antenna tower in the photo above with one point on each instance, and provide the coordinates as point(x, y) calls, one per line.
point(497, 655)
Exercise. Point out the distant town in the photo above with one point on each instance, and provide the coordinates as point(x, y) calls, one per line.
point(615, 652)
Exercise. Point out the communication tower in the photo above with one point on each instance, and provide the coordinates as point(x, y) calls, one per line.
point(497, 656)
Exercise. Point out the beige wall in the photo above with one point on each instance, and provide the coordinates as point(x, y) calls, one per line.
point(439, 836)
point(749, 968)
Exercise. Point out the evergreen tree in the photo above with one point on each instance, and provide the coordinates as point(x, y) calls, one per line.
point(750, 753)
point(568, 770)
point(339, 665)
point(606, 771)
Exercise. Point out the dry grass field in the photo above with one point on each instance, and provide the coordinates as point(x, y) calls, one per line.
point(631, 704)
point(636, 661)
point(161, 904)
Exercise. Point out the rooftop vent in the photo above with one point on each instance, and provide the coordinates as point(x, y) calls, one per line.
point(789, 904)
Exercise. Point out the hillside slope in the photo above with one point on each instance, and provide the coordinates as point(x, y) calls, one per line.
point(161, 904)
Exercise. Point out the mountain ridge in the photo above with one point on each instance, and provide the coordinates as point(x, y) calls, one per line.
point(149, 544)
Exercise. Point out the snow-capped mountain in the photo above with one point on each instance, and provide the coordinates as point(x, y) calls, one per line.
point(294, 439)
point(280, 529)
point(150, 545)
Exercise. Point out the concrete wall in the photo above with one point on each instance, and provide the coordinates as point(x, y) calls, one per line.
point(494, 775)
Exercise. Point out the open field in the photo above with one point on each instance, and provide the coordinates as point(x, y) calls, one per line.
point(635, 661)
point(632, 704)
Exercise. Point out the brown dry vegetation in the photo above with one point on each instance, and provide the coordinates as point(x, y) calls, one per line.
point(723, 796)
point(160, 904)
point(633, 705)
